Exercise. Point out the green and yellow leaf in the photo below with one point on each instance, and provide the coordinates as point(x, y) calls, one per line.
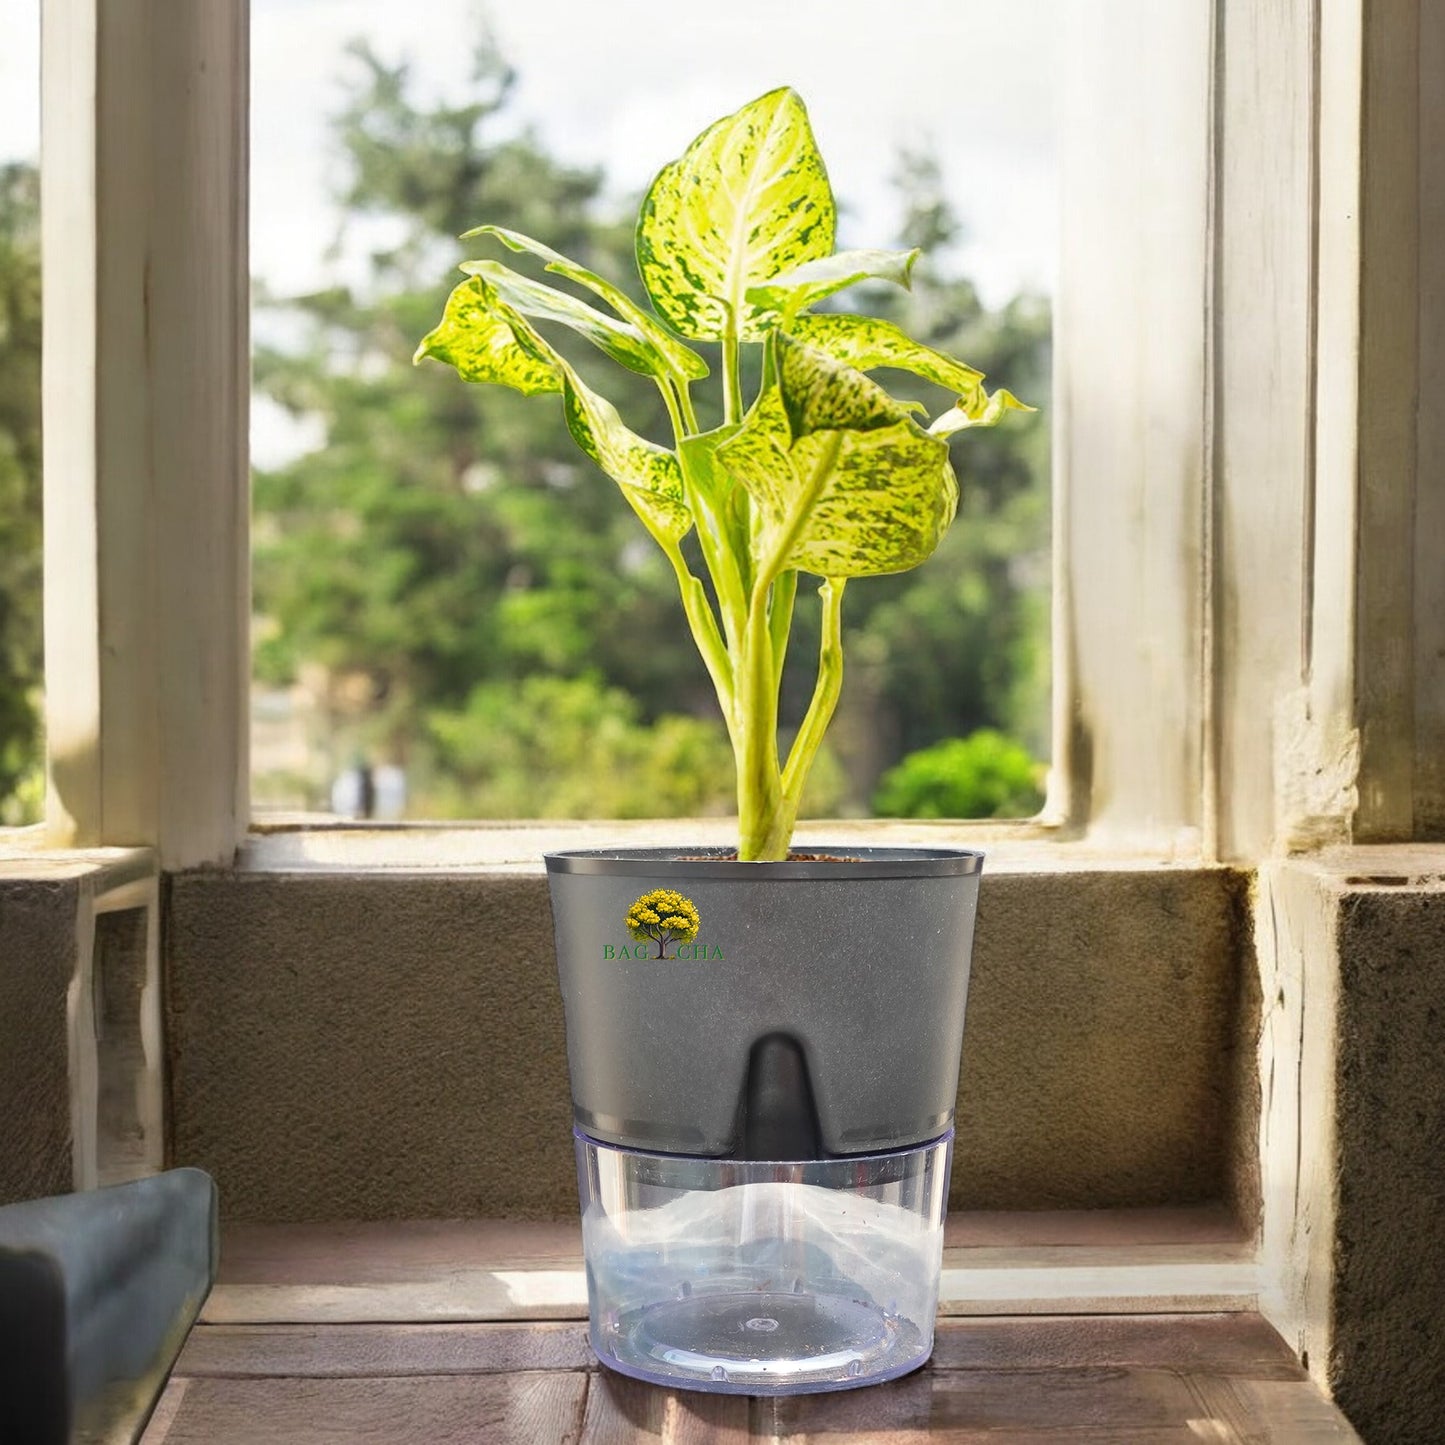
point(683, 360)
point(809, 283)
point(819, 394)
point(865, 343)
point(748, 200)
point(889, 500)
point(475, 336)
point(977, 408)
point(845, 483)
point(623, 343)
point(649, 475)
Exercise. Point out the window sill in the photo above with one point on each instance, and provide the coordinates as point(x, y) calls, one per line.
point(318, 844)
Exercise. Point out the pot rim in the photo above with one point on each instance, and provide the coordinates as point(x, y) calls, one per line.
point(713, 862)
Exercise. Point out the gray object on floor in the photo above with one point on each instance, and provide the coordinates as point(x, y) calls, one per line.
point(97, 1293)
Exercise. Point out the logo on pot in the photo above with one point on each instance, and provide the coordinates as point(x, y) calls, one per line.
point(666, 918)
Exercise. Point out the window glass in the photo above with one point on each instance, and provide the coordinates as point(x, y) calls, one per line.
point(21, 750)
point(455, 614)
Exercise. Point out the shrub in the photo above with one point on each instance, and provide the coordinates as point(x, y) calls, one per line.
point(985, 775)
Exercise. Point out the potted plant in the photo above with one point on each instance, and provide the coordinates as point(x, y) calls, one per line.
point(763, 1047)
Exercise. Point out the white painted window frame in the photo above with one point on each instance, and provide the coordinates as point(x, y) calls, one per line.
point(1247, 631)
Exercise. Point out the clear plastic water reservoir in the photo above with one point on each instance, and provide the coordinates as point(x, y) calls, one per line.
point(759, 1278)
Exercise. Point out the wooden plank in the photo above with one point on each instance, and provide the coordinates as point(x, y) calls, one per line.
point(500, 1270)
point(1161, 1380)
point(623, 1411)
point(1125, 1255)
point(1263, 305)
point(467, 1295)
point(1242, 1345)
point(1060, 1281)
point(1297, 945)
point(1128, 1228)
point(381, 1250)
point(964, 1405)
point(562, 1295)
point(319, 1351)
point(1277, 1411)
point(397, 1271)
point(375, 1251)
point(518, 1409)
point(1099, 1397)
point(158, 1427)
point(896, 1413)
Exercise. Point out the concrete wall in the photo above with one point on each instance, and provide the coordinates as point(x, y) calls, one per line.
point(80, 1045)
point(375, 1045)
point(1352, 948)
point(1387, 1359)
point(37, 962)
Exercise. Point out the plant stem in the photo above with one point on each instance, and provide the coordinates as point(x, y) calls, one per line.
point(732, 371)
point(759, 776)
point(780, 620)
point(705, 634)
point(820, 708)
point(689, 416)
point(674, 415)
point(765, 820)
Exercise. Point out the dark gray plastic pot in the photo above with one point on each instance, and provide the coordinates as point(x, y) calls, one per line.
point(817, 1013)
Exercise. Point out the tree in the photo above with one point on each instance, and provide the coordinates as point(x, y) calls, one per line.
point(20, 497)
point(664, 916)
point(960, 643)
point(445, 536)
point(446, 544)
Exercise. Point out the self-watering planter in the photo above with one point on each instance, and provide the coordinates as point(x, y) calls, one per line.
point(764, 1062)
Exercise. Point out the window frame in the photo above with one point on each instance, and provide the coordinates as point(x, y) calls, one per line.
point(1217, 578)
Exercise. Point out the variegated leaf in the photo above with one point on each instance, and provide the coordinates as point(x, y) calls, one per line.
point(841, 477)
point(748, 200)
point(890, 498)
point(818, 392)
point(977, 408)
point(623, 343)
point(475, 336)
point(809, 283)
point(757, 455)
point(649, 475)
point(683, 360)
point(865, 342)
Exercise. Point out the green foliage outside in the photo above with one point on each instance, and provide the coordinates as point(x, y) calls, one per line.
point(570, 747)
point(985, 775)
point(447, 542)
point(21, 785)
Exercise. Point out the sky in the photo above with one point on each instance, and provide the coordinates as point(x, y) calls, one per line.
point(627, 83)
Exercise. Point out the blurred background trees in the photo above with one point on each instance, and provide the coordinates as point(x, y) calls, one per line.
point(20, 606)
point(445, 587)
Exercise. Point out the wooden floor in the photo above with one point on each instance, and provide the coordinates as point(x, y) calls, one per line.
point(1073, 1330)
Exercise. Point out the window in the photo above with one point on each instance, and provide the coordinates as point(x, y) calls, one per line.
point(454, 615)
point(21, 754)
point(1208, 723)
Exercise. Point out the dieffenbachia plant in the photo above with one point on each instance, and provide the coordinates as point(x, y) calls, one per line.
point(824, 472)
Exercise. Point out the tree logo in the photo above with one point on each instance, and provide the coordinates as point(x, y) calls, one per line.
point(662, 916)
